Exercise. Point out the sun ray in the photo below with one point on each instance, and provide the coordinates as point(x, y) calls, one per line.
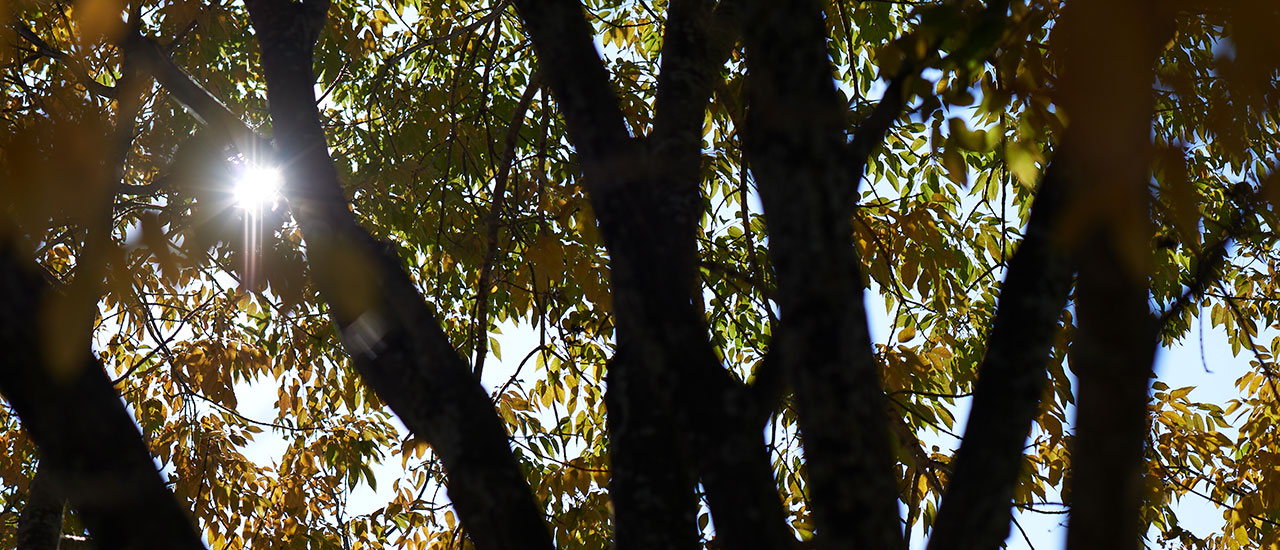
point(257, 189)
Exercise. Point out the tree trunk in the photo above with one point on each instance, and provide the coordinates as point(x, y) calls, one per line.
point(40, 524)
point(394, 340)
point(794, 140)
point(80, 425)
point(1110, 227)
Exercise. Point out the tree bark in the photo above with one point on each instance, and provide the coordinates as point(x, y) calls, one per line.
point(794, 140)
point(81, 427)
point(732, 460)
point(652, 479)
point(40, 524)
point(394, 340)
point(666, 386)
point(1110, 229)
point(977, 508)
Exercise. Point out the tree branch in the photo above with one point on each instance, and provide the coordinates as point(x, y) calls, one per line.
point(976, 510)
point(197, 100)
point(480, 333)
point(80, 425)
point(723, 415)
point(574, 72)
point(40, 524)
point(81, 75)
point(696, 42)
point(645, 221)
point(794, 136)
point(871, 132)
point(667, 389)
point(387, 65)
point(1212, 259)
point(396, 343)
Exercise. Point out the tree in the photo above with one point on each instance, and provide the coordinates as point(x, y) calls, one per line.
point(668, 194)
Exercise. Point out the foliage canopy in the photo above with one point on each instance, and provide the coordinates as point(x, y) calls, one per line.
point(685, 199)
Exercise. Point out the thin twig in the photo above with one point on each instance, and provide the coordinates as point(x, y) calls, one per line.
point(82, 75)
point(481, 329)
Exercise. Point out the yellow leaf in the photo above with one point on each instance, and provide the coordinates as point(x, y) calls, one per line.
point(1021, 162)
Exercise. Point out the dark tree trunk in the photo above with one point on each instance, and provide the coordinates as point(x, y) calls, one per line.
point(40, 524)
point(80, 426)
point(1116, 339)
point(794, 140)
point(673, 409)
point(395, 342)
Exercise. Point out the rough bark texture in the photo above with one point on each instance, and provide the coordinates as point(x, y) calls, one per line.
point(666, 385)
point(1110, 142)
point(667, 389)
point(794, 140)
point(40, 524)
point(652, 478)
point(81, 427)
point(732, 460)
point(977, 508)
point(394, 340)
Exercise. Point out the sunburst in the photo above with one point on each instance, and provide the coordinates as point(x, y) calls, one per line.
point(256, 190)
point(257, 187)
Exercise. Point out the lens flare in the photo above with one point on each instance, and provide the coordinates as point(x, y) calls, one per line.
point(257, 187)
point(255, 191)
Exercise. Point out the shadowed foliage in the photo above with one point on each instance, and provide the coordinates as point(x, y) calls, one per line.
point(749, 260)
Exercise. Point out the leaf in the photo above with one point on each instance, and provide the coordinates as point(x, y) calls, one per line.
point(1021, 162)
point(954, 162)
point(907, 333)
point(1178, 190)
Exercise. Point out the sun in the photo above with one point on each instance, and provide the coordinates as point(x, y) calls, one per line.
point(257, 186)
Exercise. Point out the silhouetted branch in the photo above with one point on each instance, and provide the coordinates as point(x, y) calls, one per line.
point(40, 524)
point(655, 184)
point(975, 511)
point(82, 76)
point(396, 343)
point(480, 331)
point(81, 427)
point(1212, 259)
point(794, 138)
